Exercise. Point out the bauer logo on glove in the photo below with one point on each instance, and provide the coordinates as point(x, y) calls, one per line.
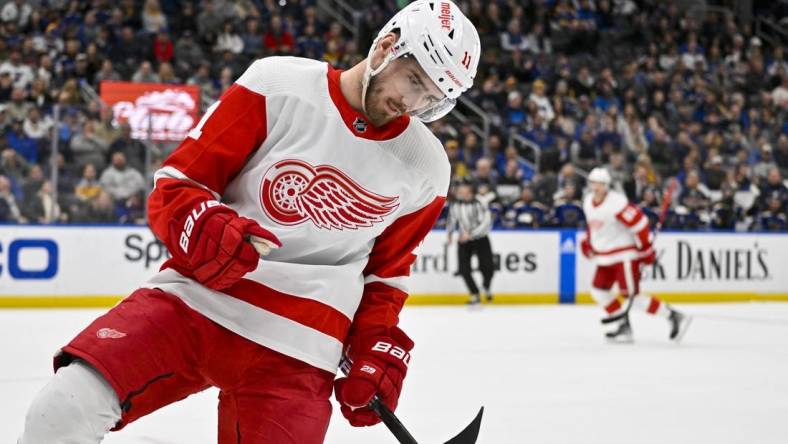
point(217, 246)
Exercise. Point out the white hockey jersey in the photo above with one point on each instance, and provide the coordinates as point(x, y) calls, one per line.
point(616, 229)
point(350, 203)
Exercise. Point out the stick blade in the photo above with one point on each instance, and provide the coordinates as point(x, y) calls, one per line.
point(471, 432)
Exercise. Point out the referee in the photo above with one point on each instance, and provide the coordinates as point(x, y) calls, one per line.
point(472, 219)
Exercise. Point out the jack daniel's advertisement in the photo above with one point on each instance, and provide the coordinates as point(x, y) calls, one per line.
point(729, 263)
point(719, 263)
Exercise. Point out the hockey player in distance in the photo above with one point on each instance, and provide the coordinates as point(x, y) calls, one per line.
point(335, 179)
point(618, 241)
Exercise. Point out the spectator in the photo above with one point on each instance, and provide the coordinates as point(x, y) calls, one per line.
point(202, 78)
point(537, 42)
point(514, 114)
point(106, 73)
point(127, 50)
point(252, 40)
point(568, 194)
point(694, 196)
point(121, 181)
point(145, 74)
point(66, 177)
point(34, 126)
point(485, 180)
point(13, 165)
point(105, 129)
point(133, 210)
point(167, 74)
point(524, 170)
point(780, 94)
point(20, 72)
point(761, 169)
point(618, 170)
point(133, 150)
point(32, 183)
point(88, 187)
point(183, 22)
point(310, 45)
point(153, 19)
point(209, 21)
point(188, 53)
point(543, 106)
point(715, 174)
point(22, 143)
point(773, 184)
point(525, 212)
point(98, 210)
point(41, 207)
point(459, 169)
point(163, 49)
point(513, 39)
point(278, 40)
point(19, 107)
point(87, 147)
point(9, 210)
point(638, 184)
point(508, 185)
point(229, 40)
point(569, 176)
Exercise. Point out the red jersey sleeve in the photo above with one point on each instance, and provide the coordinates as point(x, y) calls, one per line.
point(389, 265)
point(633, 218)
point(211, 155)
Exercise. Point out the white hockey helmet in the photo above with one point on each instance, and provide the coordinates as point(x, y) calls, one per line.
point(600, 175)
point(445, 44)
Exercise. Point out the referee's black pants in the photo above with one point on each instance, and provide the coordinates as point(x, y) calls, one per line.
point(483, 251)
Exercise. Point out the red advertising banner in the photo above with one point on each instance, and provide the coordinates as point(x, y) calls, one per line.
point(164, 112)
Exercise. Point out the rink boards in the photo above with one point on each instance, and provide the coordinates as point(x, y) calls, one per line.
point(66, 266)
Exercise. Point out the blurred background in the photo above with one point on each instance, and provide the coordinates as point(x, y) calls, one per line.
point(696, 90)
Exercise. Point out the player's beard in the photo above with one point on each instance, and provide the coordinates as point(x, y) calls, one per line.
point(374, 104)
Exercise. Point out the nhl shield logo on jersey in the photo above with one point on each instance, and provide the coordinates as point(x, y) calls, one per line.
point(294, 191)
point(359, 125)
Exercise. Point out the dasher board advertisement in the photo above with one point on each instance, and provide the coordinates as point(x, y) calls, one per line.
point(169, 110)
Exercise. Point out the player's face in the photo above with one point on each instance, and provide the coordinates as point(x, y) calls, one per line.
point(402, 88)
point(598, 189)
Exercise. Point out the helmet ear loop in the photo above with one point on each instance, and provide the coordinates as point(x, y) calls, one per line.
point(369, 73)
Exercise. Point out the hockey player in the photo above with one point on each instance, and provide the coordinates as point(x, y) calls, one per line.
point(618, 241)
point(335, 179)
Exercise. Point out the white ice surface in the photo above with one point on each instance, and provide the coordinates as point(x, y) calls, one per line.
point(542, 372)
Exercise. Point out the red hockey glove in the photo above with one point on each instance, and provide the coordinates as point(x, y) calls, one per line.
point(647, 255)
point(380, 362)
point(585, 248)
point(212, 241)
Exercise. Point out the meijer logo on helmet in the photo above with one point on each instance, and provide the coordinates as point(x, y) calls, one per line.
point(445, 16)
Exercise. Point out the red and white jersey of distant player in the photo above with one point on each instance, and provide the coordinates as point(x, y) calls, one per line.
point(350, 203)
point(612, 226)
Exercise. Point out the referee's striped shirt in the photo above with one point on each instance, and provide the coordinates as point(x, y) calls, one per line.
point(472, 217)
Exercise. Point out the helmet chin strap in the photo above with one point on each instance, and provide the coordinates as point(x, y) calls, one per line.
point(369, 73)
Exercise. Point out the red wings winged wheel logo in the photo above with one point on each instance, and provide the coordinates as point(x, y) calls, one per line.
point(294, 191)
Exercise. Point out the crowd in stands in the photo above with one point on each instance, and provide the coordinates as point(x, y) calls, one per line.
point(651, 91)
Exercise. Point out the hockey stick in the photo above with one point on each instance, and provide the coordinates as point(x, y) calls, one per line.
point(667, 197)
point(467, 436)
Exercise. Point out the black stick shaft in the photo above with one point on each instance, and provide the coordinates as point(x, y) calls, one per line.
point(392, 422)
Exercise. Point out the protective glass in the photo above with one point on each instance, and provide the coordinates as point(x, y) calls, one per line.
point(423, 99)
